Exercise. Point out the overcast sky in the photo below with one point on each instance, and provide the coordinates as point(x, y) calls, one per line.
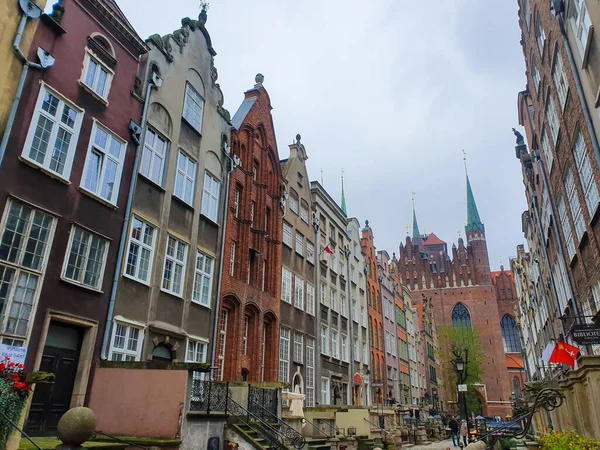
point(390, 90)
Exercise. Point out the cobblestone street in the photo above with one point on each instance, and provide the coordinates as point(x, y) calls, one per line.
point(443, 445)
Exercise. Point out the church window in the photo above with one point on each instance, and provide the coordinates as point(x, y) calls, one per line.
point(510, 335)
point(461, 316)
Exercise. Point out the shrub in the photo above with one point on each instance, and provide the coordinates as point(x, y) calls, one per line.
point(566, 441)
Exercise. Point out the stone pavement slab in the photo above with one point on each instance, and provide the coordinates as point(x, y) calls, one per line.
point(443, 445)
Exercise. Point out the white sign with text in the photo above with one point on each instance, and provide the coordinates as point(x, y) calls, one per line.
point(16, 354)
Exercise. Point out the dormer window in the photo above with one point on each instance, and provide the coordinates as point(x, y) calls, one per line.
point(98, 65)
point(193, 108)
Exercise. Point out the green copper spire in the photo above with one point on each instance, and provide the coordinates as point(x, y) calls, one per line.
point(473, 220)
point(343, 196)
point(416, 232)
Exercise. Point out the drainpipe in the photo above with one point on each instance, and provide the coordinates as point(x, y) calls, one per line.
point(234, 161)
point(30, 11)
point(580, 94)
point(155, 83)
point(350, 344)
point(317, 384)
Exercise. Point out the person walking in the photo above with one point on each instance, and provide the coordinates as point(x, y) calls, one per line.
point(464, 432)
point(453, 424)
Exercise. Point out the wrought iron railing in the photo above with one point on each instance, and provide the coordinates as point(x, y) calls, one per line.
point(377, 426)
point(548, 399)
point(116, 439)
point(334, 431)
point(209, 396)
point(291, 435)
point(274, 439)
point(16, 427)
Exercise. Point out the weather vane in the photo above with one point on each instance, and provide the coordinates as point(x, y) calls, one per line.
point(412, 196)
point(204, 5)
point(406, 227)
point(465, 159)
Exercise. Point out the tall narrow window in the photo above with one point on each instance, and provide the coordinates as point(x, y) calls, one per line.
point(104, 164)
point(356, 349)
point(553, 122)
point(527, 13)
point(126, 343)
point(299, 243)
point(24, 246)
point(546, 150)
point(298, 347)
point(333, 299)
point(293, 201)
point(304, 211)
point(96, 75)
point(363, 316)
point(324, 340)
point(310, 299)
point(584, 25)
point(510, 335)
point(185, 178)
point(141, 251)
point(310, 372)
point(85, 258)
point(193, 107)
point(284, 355)
point(540, 37)
point(354, 313)
point(323, 294)
point(245, 335)
point(299, 292)
point(236, 202)
point(344, 347)
point(343, 307)
point(574, 204)
point(586, 175)
point(566, 227)
point(252, 207)
point(153, 156)
point(53, 133)
point(174, 269)
point(210, 198)
point(310, 252)
point(232, 260)
point(535, 75)
point(335, 349)
point(286, 285)
point(222, 343)
point(325, 391)
point(287, 234)
point(461, 316)
point(560, 79)
point(203, 279)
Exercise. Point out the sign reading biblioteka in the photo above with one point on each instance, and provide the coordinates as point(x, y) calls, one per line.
point(16, 354)
point(586, 334)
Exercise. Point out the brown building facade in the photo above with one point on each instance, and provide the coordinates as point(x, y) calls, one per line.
point(64, 185)
point(249, 316)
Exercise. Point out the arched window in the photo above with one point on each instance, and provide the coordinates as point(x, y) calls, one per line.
point(510, 335)
point(461, 316)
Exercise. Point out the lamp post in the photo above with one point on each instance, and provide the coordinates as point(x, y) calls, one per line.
point(462, 372)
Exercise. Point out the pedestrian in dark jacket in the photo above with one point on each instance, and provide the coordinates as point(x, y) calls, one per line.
point(453, 424)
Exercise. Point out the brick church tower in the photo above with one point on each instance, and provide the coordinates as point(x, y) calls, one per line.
point(459, 285)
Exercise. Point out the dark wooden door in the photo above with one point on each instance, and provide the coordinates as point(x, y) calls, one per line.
point(51, 401)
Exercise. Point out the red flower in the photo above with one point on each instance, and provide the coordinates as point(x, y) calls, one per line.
point(11, 364)
point(20, 385)
point(6, 358)
point(21, 366)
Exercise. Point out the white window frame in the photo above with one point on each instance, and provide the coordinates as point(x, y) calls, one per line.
point(298, 292)
point(325, 391)
point(535, 75)
point(333, 299)
point(547, 150)
point(100, 66)
point(141, 246)
point(304, 212)
point(185, 176)
point(540, 37)
point(196, 343)
point(363, 316)
point(574, 203)
point(560, 79)
point(105, 155)
point(586, 175)
point(335, 345)
point(193, 102)
point(294, 202)
point(232, 260)
point(323, 294)
point(324, 340)
point(354, 311)
point(310, 372)
point(200, 277)
point(356, 349)
point(224, 319)
point(344, 347)
point(57, 125)
point(125, 352)
point(286, 285)
point(287, 234)
point(298, 347)
point(80, 279)
point(527, 13)
point(553, 122)
point(211, 193)
point(343, 308)
point(310, 252)
point(284, 354)
point(154, 158)
point(18, 268)
point(566, 227)
point(365, 352)
point(310, 299)
point(176, 262)
point(236, 202)
point(583, 30)
point(299, 247)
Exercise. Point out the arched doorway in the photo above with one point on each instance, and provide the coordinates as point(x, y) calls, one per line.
point(270, 355)
point(250, 349)
point(228, 361)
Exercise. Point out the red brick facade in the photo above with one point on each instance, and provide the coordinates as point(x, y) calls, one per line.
point(375, 317)
point(251, 282)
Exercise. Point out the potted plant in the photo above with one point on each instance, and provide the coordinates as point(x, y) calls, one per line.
point(15, 386)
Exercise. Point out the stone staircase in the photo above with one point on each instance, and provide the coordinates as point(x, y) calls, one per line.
point(252, 434)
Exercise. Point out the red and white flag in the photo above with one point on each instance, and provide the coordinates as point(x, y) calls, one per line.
point(564, 354)
point(328, 250)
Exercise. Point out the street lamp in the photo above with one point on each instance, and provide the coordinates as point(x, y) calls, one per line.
point(460, 367)
point(462, 373)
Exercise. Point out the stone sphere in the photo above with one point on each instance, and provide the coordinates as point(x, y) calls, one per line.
point(76, 426)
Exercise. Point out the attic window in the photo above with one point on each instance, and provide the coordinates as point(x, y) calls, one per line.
point(103, 49)
point(300, 178)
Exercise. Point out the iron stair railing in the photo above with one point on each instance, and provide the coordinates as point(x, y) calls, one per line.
point(291, 435)
point(15, 426)
point(336, 430)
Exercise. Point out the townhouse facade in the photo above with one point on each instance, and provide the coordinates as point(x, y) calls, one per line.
point(333, 313)
point(77, 143)
point(167, 290)
point(298, 333)
point(376, 335)
point(558, 110)
point(388, 302)
point(247, 344)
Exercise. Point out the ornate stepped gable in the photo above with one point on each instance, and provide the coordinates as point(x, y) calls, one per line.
point(180, 38)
